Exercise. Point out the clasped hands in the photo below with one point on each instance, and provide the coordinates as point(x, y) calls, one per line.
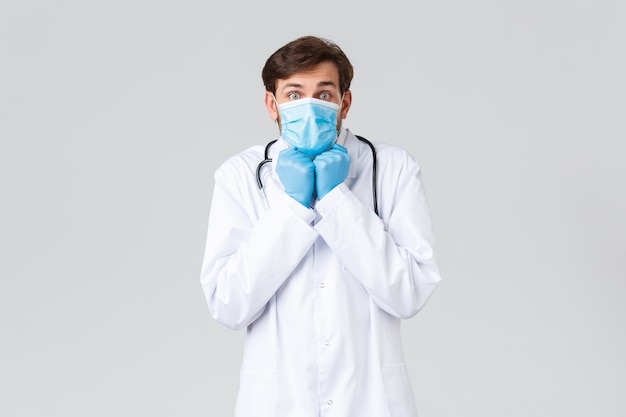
point(301, 175)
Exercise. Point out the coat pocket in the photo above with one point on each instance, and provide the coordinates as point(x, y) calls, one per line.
point(257, 394)
point(398, 391)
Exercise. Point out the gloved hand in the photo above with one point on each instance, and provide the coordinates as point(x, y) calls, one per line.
point(331, 168)
point(297, 173)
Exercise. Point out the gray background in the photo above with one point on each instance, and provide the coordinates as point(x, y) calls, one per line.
point(115, 114)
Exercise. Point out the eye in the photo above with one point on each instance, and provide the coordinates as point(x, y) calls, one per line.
point(293, 96)
point(325, 95)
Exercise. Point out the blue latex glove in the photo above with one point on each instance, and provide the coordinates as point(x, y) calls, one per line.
point(331, 168)
point(297, 173)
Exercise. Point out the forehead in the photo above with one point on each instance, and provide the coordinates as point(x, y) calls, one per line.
point(324, 74)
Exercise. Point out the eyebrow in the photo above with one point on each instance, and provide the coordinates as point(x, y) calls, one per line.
point(320, 84)
point(326, 83)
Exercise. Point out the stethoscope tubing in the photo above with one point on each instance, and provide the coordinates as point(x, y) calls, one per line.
point(267, 159)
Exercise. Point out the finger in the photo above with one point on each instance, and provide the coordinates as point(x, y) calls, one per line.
point(288, 153)
point(339, 148)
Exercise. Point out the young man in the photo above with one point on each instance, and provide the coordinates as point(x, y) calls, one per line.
point(320, 252)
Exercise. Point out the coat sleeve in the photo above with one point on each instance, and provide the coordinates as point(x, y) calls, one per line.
point(249, 251)
point(393, 258)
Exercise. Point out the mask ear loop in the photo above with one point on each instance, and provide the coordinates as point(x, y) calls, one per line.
point(277, 108)
point(339, 117)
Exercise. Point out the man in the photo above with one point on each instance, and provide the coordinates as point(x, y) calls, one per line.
point(315, 262)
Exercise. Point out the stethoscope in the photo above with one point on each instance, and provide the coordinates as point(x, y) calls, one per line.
point(361, 138)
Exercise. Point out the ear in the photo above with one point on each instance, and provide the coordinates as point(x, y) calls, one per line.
point(271, 105)
point(346, 103)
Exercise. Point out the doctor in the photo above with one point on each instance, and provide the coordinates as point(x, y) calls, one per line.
point(302, 261)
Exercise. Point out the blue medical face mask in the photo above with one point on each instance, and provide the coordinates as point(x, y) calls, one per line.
point(309, 124)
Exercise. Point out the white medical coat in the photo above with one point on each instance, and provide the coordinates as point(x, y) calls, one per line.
point(321, 291)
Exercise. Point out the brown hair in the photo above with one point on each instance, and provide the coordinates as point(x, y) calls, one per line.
point(302, 54)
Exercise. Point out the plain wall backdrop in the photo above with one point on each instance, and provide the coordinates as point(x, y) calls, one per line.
point(115, 114)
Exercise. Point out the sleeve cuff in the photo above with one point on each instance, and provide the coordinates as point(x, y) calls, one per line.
point(332, 199)
point(305, 213)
